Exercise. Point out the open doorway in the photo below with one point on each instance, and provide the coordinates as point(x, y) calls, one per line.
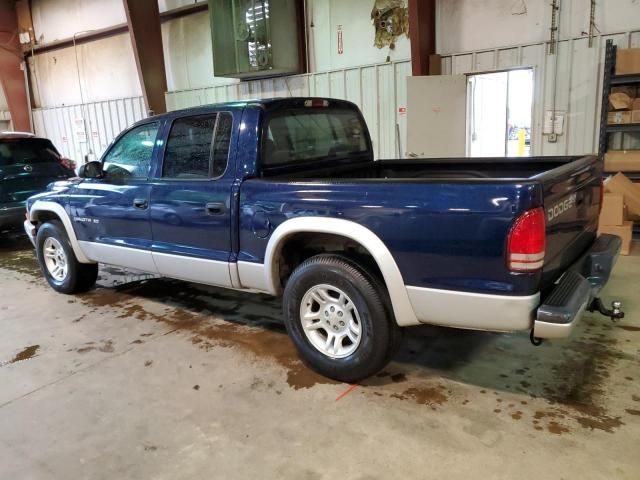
point(500, 106)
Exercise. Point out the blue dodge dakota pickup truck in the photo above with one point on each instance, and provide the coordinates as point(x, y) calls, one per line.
point(283, 196)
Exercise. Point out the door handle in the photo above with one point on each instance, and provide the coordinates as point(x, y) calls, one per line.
point(215, 208)
point(140, 203)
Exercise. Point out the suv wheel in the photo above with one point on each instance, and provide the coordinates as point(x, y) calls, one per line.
point(58, 262)
point(336, 317)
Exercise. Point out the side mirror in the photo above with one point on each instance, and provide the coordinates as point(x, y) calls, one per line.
point(91, 170)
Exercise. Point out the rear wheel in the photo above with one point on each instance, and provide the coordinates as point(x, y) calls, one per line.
point(336, 317)
point(59, 264)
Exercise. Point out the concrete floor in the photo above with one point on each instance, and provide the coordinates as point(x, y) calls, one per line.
point(161, 379)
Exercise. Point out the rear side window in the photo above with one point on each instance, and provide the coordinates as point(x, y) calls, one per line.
point(27, 151)
point(198, 147)
point(308, 134)
point(188, 150)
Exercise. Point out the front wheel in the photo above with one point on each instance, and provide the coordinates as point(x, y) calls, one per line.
point(336, 317)
point(59, 264)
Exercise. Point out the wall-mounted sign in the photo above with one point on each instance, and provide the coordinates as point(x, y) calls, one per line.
point(340, 41)
point(79, 130)
point(553, 122)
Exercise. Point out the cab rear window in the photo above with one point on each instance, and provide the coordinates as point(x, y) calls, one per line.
point(27, 151)
point(310, 134)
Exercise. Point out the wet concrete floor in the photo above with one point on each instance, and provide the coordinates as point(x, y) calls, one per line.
point(145, 377)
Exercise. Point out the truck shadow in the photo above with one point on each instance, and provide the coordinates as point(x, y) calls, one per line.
point(570, 371)
point(565, 372)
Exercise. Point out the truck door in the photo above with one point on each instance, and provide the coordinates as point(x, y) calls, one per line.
point(111, 214)
point(191, 200)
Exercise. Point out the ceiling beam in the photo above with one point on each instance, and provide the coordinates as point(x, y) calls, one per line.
point(143, 20)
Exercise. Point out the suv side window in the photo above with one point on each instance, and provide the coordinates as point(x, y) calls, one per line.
point(130, 157)
point(188, 150)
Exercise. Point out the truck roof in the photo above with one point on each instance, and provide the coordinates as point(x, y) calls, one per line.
point(16, 135)
point(264, 103)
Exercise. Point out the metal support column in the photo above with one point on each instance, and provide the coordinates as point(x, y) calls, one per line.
point(422, 34)
point(11, 74)
point(143, 19)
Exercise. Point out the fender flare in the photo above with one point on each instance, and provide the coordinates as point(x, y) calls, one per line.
point(402, 308)
point(53, 207)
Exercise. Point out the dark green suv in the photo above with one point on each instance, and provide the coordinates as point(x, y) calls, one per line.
point(27, 165)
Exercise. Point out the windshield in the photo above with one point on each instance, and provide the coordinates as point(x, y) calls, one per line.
point(309, 134)
point(26, 151)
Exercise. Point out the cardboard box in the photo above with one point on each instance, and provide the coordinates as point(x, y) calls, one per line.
point(636, 104)
point(635, 116)
point(624, 231)
point(622, 161)
point(620, 101)
point(628, 61)
point(615, 118)
point(612, 212)
point(619, 183)
point(630, 90)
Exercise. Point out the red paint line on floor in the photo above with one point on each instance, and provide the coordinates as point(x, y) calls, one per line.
point(347, 391)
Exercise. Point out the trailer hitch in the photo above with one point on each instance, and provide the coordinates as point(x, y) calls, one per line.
point(615, 313)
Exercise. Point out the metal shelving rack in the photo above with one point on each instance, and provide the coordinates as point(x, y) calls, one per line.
point(611, 80)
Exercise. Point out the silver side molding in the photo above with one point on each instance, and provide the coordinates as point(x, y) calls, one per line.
point(120, 256)
point(265, 277)
point(192, 269)
point(476, 311)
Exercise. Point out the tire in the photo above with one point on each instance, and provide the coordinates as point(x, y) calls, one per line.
point(328, 281)
point(71, 276)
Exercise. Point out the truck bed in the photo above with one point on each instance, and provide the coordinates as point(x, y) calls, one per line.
point(436, 169)
point(456, 213)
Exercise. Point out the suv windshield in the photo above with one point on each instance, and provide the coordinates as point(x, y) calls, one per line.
point(27, 150)
point(308, 134)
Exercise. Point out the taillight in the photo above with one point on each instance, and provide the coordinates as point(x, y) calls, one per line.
point(526, 242)
point(316, 102)
point(68, 163)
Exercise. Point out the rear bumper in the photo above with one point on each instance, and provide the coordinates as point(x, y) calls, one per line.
point(560, 312)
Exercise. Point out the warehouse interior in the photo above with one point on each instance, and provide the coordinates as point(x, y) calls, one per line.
point(145, 376)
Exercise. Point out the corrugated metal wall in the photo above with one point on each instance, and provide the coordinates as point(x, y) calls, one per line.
point(380, 91)
point(103, 121)
point(578, 93)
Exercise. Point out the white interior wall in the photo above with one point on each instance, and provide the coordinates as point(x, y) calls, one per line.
point(106, 69)
point(491, 34)
point(60, 19)
point(462, 26)
point(471, 25)
point(325, 17)
point(188, 54)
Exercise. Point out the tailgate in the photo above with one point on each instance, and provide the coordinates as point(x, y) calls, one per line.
point(571, 202)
